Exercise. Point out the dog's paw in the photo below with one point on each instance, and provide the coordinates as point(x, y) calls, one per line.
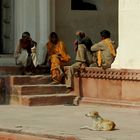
point(81, 127)
point(86, 127)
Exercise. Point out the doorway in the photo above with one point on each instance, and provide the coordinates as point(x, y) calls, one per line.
point(6, 26)
point(0, 27)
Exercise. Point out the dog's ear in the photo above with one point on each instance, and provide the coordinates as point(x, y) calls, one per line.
point(95, 113)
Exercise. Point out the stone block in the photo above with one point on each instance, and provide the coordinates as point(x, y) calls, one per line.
point(109, 89)
point(89, 87)
point(131, 90)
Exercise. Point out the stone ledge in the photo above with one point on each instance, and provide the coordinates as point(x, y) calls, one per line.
point(116, 103)
point(113, 74)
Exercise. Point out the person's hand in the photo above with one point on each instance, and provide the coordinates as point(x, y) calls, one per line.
point(75, 48)
point(83, 66)
point(75, 42)
point(33, 49)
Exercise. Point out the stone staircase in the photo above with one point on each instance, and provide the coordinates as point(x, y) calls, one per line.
point(30, 90)
point(36, 91)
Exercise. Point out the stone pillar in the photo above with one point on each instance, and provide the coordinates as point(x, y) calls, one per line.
point(25, 17)
point(44, 28)
point(33, 16)
point(128, 55)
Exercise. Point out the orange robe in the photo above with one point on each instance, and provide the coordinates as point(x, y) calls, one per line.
point(57, 57)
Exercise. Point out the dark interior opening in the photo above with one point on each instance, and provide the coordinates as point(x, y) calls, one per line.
point(1, 27)
point(82, 5)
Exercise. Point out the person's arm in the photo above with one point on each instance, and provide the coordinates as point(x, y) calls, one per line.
point(114, 45)
point(33, 49)
point(63, 54)
point(33, 46)
point(75, 43)
point(96, 47)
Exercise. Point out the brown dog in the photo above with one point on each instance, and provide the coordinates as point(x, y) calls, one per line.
point(99, 123)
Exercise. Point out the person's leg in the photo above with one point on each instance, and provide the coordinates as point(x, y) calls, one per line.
point(80, 64)
point(56, 71)
point(70, 74)
point(28, 68)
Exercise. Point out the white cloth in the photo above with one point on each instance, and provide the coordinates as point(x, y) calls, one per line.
point(21, 58)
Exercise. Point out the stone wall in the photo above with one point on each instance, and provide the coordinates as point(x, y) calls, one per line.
point(68, 21)
point(111, 85)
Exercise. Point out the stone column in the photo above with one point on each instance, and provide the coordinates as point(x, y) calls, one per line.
point(25, 17)
point(128, 55)
point(33, 16)
point(44, 28)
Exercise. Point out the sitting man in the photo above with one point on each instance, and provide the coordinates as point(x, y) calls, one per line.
point(105, 51)
point(56, 57)
point(25, 53)
point(83, 58)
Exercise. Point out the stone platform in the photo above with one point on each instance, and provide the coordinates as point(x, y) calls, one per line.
point(62, 121)
point(120, 87)
point(117, 87)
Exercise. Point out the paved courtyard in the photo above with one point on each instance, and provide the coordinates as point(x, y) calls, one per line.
point(63, 120)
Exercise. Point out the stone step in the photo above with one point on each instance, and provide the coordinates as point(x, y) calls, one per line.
point(117, 103)
point(18, 70)
point(40, 100)
point(30, 80)
point(10, 70)
point(39, 89)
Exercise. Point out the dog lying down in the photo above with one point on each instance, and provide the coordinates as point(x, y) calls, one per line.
point(99, 124)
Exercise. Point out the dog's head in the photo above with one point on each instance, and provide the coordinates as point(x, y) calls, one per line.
point(93, 114)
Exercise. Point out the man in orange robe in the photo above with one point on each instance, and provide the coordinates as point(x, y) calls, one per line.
point(57, 57)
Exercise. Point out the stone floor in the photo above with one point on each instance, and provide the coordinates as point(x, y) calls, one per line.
point(64, 120)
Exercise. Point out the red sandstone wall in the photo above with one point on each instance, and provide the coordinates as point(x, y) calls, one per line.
point(109, 85)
